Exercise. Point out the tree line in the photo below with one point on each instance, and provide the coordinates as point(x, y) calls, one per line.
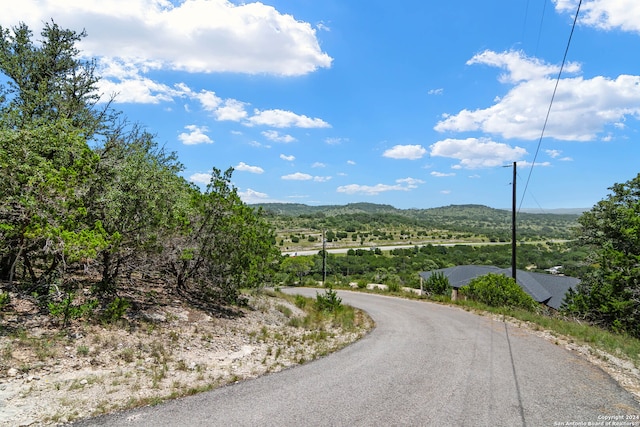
point(88, 197)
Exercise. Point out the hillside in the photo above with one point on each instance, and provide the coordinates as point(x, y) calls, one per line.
point(300, 226)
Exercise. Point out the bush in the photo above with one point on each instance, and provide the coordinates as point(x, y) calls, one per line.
point(115, 310)
point(4, 299)
point(498, 290)
point(66, 310)
point(437, 284)
point(328, 301)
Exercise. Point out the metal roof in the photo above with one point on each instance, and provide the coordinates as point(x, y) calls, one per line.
point(548, 289)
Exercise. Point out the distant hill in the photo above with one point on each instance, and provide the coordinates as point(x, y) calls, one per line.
point(561, 211)
point(469, 219)
point(457, 211)
point(296, 209)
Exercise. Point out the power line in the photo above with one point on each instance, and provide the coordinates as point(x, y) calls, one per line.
point(555, 89)
point(544, 8)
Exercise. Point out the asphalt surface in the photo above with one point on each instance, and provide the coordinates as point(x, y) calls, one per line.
point(423, 365)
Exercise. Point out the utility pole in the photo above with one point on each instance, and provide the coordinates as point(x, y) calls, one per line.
point(324, 258)
point(513, 225)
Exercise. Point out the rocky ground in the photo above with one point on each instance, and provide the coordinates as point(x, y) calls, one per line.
point(50, 377)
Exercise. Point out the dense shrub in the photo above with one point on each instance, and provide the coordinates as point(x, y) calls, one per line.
point(437, 284)
point(498, 290)
point(328, 301)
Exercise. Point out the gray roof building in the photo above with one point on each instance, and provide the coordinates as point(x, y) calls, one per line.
point(544, 288)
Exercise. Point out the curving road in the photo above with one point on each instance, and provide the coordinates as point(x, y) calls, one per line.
point(424, 365)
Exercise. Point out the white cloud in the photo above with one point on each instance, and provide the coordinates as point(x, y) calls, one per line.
point(442, 174)
point(200, 178)
point(553, 153)
point(138, 90)
point(322, 26)
point(518, 66)
point(370, 190)
point(251, 196)
point(275, 136)
point(410, 182)
point(196, 135)
point(476, 153)
point(232, 110)
point(351, 162)
point(298, 176)
point(335, 140)
point(258, 145)
point(525, 164)
point(582, 107)
point(284, 119)
point(605, 14)
point(438, 91)
point(404, 184)
point(208, 99)
point(193, 36)
point(318, 165)
point(287, 158)
point(242, 166)
point(410, 152)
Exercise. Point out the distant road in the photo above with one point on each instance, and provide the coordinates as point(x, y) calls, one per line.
point(392, 247)
point(424, 365)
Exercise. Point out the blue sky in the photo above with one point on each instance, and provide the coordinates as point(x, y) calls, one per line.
point(416, 104)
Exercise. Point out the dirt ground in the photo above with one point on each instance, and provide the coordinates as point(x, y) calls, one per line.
point(173, 350)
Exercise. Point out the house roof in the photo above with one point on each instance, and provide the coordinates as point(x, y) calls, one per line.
point(548, 289)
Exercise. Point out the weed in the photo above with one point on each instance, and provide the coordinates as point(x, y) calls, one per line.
point(7, 352)
point(44, 349)
point(284, 310)
point(75, 385)
point(158, 351)
point(264, 334)
point(82, 350)
point(127, 354)
point(102, 407)
point(300, 301)
point(150, 328)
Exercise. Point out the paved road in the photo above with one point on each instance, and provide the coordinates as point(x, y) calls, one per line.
point(423, 365)
point(392, 247)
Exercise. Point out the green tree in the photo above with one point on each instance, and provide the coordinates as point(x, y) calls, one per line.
point(46, 117)
point(221, 246)
point(298, 266)
point(47, 81)
point(609, 294)
point(138, 197)
point(43, 225)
